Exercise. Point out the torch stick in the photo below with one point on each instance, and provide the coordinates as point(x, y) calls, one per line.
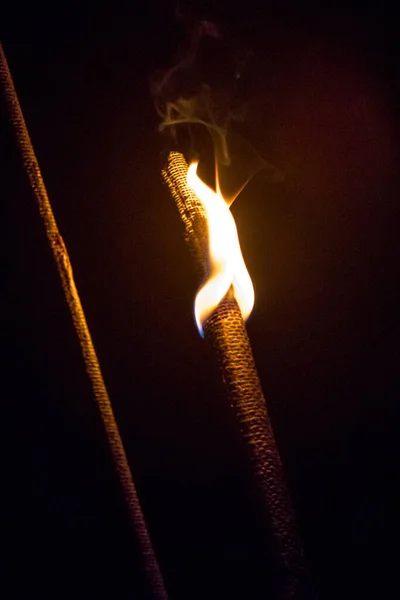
point(64, 268)
point(226, 332)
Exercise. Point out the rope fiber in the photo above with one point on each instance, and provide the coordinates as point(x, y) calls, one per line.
point(64, 268)
point(226, 333)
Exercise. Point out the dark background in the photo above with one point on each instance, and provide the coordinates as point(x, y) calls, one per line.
point(322, 249)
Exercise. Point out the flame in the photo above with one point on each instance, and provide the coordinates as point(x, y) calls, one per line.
point(226, 264)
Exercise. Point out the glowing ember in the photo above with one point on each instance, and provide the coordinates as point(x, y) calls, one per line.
point(226, 264)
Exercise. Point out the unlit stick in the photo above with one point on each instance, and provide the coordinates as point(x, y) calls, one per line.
point(226, 332)
point(64, 268)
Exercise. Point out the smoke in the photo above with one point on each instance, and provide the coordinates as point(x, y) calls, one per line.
point(202, 92)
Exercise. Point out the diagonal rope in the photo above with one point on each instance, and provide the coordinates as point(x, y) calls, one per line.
point(64, 268)
point(226, 333)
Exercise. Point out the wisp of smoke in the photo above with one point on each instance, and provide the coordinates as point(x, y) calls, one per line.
point(201, 89)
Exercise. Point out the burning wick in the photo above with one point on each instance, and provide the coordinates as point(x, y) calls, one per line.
point(226, 266)
point(222, 303)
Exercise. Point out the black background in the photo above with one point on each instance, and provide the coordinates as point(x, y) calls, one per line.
point(322, 249)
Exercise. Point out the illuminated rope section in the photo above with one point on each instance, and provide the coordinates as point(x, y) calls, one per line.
point(225, 331)
point(64, 268)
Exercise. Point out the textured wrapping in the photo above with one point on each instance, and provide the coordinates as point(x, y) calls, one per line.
point(190, 209)
point(64, 268)
point(226, 333)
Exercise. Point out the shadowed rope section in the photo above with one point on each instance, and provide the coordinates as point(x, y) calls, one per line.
point(64, 268)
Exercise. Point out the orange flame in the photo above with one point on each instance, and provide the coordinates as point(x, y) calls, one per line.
point(226, 264)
